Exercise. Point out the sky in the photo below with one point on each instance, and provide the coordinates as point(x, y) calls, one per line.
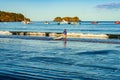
point(86, 10)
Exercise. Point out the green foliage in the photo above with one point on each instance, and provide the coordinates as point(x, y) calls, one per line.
point(68, 19)
point(58, 19)
point(11, 17)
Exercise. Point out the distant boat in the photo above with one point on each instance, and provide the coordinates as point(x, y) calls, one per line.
point(64, 22)
point(74, 23)
point(46, 22)
point(26, 21)
point(117, 22)
point(94, 22)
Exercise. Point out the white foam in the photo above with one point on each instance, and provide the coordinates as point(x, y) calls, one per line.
point(69, 35)
point(81, 35)
point(5, 32)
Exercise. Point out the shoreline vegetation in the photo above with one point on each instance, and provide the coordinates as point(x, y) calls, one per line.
point(67, 20)
point(18, 17)
point(12, 17)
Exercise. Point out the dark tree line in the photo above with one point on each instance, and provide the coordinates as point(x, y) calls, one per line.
point(68, 19)
point(11, 17)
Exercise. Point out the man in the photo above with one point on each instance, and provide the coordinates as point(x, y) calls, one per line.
point(65, 34)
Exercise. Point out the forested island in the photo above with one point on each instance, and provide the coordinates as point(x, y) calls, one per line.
point(68, 19)
point(12, 17)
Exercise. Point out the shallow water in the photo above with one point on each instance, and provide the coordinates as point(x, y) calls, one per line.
point(24, 57)
point(49, 59)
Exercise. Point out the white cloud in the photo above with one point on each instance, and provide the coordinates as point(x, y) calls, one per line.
point(109, 6)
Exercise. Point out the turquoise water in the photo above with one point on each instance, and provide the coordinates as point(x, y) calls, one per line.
point(103, 27)
point(35, 58)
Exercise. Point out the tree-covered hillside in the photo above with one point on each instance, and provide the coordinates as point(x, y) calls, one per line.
point(11, 17)
point(68, 19)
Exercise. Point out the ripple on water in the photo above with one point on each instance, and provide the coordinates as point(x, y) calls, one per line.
point(117, 46)
point(51, 60)
point(101, 52)
point(5, 50)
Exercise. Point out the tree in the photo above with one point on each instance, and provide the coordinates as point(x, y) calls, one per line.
point(11, 17)
point(68, 19)
point(76, 19)
point(58, 19)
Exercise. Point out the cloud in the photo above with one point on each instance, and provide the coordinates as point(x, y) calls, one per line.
point(109, 6)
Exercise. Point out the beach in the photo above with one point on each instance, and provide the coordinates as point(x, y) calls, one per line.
point(60, 40)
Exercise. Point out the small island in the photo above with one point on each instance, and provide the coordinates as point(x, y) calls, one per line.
point(12, 17)
point(67, 20)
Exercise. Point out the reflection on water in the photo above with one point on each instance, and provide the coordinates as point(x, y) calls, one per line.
point(65, 43)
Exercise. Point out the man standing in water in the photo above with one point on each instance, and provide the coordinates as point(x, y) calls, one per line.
point(65, 35)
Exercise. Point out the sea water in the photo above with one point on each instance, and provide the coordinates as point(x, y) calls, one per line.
point(103, 27)
point(38, 59)
point(30, 58)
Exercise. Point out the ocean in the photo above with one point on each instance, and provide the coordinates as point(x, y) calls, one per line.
point(32, 58)
point(103, 27)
